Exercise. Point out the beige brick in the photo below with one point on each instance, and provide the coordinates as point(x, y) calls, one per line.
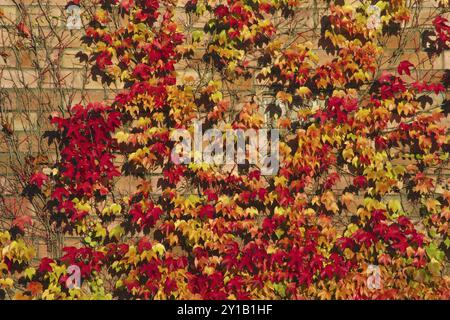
point(431, 76)
point(426, 15)
point(28, 143)
point(7, 58)
point(7, 15)
point(69, 59)
point(19, 79)
point(447, 59)
point(25, 121)
point(6, 38)
point(25, 59)
point(40, 16)
point(429, 3)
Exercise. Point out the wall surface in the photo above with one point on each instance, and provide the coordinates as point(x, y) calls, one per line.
point(41, 76)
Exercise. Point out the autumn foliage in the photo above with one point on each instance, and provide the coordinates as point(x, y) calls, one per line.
point(363, 156)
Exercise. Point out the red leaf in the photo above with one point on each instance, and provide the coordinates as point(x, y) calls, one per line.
point(221, 11)
point(23, 30)
point(360, 181)
point(35, 288)
point(45, 266)
point(211, 194)
point(127, 4)
point(404, 67)
point(22, 221)
point(38, 179)
point(207, 211)
point(103, 59)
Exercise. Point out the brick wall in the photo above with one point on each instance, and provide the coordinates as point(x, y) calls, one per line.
point(42, 75)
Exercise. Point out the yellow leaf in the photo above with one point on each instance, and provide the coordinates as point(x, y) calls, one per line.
point(159, 249)
point(279, 211)
point(347, 198)
point(271, 249)
point(284, 97)
point(348, 154)
point(117, 232)
point(303, 92)
point(208, 270)
point(29, 272)
point(100, 231)
point(329, 201)
point(6, 283)
point(394, 205)
point(432, 205)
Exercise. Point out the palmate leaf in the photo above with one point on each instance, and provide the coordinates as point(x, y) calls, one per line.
point(354, 140)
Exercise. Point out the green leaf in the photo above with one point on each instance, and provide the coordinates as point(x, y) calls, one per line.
point(116, 208)
point(434, 267)
point(116, 232)
point(280, 288)
point(197, 35)
point(447, 243)
point(200, 10)
point(433, 252)
point(159, 249)
point(382, 5)
point(216, 96)
point(222, 37)
point(394, 205)
point(30, 272)
point(100, 232)
point(279, 233)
